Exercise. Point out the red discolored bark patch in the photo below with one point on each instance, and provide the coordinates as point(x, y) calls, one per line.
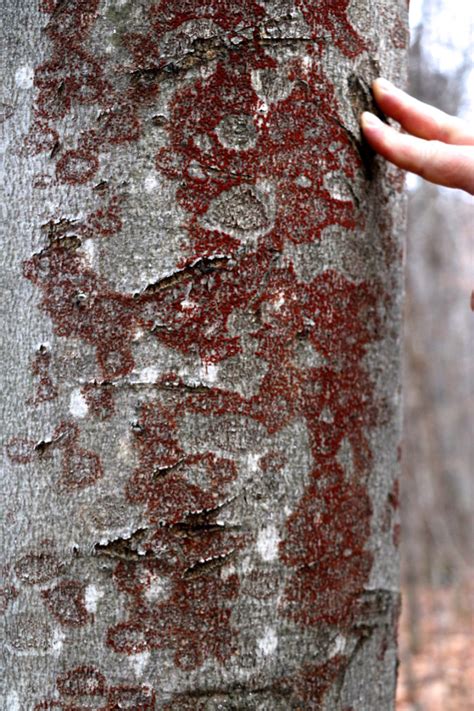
point(280, 149)
point(8, 593)
point(77, 166)
point(313, 682)
point(326, 540)
point(80, 306)
point(197, 612)
point(40, 138)
point(86, 687)
point(100, 399)
point(46, 389)
point(82, 681)
point(332, 18)
point(272, 462)
point(104, 222)
point(168, 482)
point(66, 603)
point(80, 468)
point(134, 698)
point(20, 450)
point(37, 568)
point(227, 14)
point(71, 21)
point(181, 493)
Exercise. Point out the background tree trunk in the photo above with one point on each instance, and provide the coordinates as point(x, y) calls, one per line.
point(201, 272)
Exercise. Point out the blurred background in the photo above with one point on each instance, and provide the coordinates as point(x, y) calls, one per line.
point(436, 630)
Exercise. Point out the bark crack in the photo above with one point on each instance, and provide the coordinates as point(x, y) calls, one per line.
point(203, 265)
point(125, 548)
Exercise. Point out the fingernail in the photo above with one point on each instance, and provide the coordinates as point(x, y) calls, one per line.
point(385, 86)
point(369, 120)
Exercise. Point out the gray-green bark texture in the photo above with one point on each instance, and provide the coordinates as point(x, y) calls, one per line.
point(200, 340)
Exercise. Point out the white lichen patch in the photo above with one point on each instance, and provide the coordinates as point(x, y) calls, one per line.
point(24, 77)
point(88, 250)
point(227, 571)
point(303, 181)
point(149, 375)
point(338, 646)
point(188, 305)
point(92, 595)
point(267, 543)
point(13, 701)
point(208, 372)
point(150, 183)
point(252, 462)
point(138, 662)
point(124, 449)
point(78, 406)
point(157, 589)
point(57, 641)
point(267, 644)
point(279, 300)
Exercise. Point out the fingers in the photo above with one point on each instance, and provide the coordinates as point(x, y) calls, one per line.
point(443, 164)
point(420, 119)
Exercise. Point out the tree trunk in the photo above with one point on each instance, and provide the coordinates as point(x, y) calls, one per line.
point(201, 264)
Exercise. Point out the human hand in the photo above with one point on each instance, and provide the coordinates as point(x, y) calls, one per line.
point(438, 147)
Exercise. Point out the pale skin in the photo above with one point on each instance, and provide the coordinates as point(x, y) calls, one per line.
point(436, 146)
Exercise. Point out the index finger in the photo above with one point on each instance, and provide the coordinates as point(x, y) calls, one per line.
point(419, 118)
point(443, 164)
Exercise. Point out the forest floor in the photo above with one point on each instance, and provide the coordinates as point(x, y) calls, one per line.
point(436, 644)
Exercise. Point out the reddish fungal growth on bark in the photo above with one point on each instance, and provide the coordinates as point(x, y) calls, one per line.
point(77, 166)
point(80, 468)
point(227, 14)
point(325, 542)
point(272, 462)
point(128, 637)
point(80, 305)
point(20, 450)
point(312, 683)
point(193, 621)
point(171, 484)
point(41, 138)
point(134, 698)
point(47, 6)
point(182, 494)
point(100, 399)
point(82, 681)
point(46, 389)
point(66, 603)
point(331, 16)
point(156, 439)
point(105, 222)
point(8, 593)
point(86, 687)
point(71, 21)
point(281, 149)
point(37, 568)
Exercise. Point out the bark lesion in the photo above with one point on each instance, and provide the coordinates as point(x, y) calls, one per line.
point(124, 548)
point(200, 267)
